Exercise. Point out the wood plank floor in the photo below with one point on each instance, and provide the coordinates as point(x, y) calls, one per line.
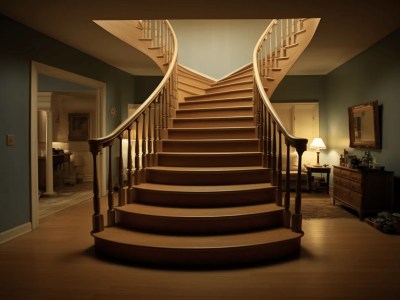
point(340, 259)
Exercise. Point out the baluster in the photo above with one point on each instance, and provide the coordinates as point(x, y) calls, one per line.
point(164, 110)
point(137, 157)
point(121, 189)
point(265, 139)
point(296, 217)
point(276, 43)
point(269, 146)
point(281, 34)
point(110, 194)
point(279, 192)
point(97, 219)
point(150, 137)
point(286, 212)
point(144, 142)
point(129, 172)
point(274, 171)
point(287, 32)
point(155, 124)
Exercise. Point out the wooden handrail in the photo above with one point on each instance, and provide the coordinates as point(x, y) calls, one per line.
point(155, 109)
point(270, 51)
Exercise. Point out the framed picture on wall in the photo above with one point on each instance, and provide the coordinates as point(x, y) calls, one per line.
point(79, 124)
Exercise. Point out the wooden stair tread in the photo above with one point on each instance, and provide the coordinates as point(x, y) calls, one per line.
point(218, 100)
point(142, 239)
point(203, 188)
point(210, 153)
point(215, 118)
point(199, 212)
point(206, 169)
point(208, 95)
point(210, 140)
point(212, 128)
point(215, 108)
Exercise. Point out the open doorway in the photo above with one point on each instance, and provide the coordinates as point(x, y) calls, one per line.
point(63, 106)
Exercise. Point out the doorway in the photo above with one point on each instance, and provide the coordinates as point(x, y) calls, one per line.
point(98, 124)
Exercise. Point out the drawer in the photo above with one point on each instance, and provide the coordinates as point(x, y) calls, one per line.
point(345, 183)
point(345, 173)
point(356, 176)
point(354, 199)
point(336, 171)
point(355, 186)
point(340, 193)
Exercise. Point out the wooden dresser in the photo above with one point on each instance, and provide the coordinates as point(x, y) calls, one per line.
point(368, 191)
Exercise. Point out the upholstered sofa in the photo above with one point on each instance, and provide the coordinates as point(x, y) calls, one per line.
point(293, 172)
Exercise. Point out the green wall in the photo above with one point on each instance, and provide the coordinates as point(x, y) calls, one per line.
point(213, 52)
point(372, 75)
point(19, 46)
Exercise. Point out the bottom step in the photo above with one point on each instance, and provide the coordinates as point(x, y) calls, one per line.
point(197, 251)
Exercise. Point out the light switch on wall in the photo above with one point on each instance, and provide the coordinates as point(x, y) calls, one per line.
point(10, 140)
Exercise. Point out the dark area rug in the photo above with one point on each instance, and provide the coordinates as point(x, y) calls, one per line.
point(319, 205)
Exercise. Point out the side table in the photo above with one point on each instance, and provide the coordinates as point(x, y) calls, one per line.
point(317, 169)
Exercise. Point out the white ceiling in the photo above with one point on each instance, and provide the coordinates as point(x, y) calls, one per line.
point(347, 27)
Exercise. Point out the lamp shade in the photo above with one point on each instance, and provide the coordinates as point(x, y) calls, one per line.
point(317, 143)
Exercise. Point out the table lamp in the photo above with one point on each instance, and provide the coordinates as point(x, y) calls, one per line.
point(317, 144)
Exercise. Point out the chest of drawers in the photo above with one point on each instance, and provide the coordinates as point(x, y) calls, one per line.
point(366, 192)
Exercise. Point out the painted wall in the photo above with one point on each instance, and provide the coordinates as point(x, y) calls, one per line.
point(372, 75)
point(217, 53)
point(19, 46)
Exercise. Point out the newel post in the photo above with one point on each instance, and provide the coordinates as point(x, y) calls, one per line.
point(297, 216)
point(97, 219)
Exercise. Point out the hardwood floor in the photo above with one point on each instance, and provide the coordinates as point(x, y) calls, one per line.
point(340, 259)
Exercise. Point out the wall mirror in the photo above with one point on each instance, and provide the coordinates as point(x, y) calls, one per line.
point(364, 126)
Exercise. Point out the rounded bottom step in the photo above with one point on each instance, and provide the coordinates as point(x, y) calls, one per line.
point(194, 251)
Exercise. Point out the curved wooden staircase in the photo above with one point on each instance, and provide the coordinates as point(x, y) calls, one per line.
point(207, 197)
point(208, 201)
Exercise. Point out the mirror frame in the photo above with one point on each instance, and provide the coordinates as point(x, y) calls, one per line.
point(376, 142)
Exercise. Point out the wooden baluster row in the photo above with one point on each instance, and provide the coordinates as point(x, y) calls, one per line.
point(110, 194)
point(121, 184)
point(287, 188)
point(97, 219)
point(129, 172)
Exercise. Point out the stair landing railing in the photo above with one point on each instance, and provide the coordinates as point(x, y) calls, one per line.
point(145, 129)
point(270, 49)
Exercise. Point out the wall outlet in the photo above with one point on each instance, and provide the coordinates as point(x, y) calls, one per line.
point(10, 140)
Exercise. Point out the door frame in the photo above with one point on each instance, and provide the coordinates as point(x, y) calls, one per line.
point(100, 87)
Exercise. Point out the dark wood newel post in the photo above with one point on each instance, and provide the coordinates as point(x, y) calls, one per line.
point(297, 217)
point(111, 211)
point(98, 219)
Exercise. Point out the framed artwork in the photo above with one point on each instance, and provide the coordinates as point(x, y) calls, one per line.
point(79, 125)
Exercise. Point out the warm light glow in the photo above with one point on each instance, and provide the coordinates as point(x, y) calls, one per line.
point(317, 143)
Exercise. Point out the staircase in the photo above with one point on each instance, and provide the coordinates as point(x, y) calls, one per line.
point(208, 201)
point(202, 185)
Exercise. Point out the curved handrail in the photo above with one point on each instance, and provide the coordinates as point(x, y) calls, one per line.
point(270, 52)
point(152, 117)
point(104, 141)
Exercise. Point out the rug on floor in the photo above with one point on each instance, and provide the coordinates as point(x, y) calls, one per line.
point(63, 198)
point(318, 205)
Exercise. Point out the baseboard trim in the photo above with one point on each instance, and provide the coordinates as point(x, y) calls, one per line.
point(15, 232)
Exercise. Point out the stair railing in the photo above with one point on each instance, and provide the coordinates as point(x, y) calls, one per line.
point(145, 129)
point(270, 49)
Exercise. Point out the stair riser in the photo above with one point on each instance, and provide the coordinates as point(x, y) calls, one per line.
point(206, 199)
point(172, 160)
point(200, 226)
point(226, 112)
point(236, 86)
point(231, 94)
point(202, 258)
point(204, 123)
point(212, 134)
point(191, 89)
point(216, 103)
point(208, 178)
point(215, 146)
point(239, 79)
